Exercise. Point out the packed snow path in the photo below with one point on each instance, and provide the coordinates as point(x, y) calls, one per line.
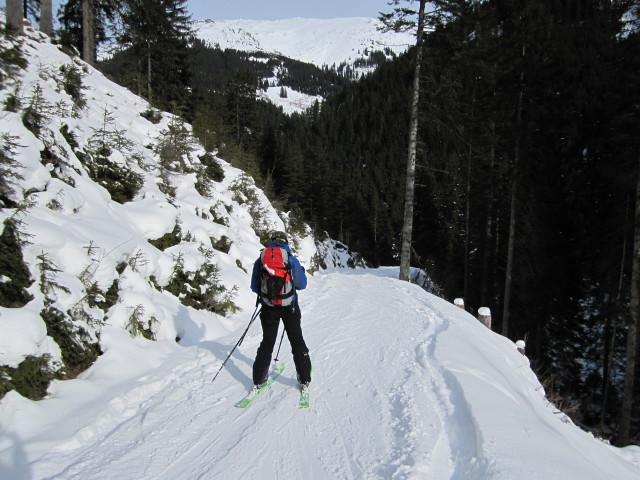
point(384, 405)
point(378, 405)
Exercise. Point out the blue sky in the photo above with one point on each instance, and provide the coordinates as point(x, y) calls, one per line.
point(277, 9)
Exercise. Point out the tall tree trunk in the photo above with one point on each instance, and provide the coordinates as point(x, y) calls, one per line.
point(488, 228)
point(88, 32)
point(149, 93)
point(613, 329)
point(14, 16)
point(139, 78)
point(467, 212)
point(487, 241)
point(407, 228)
point(632, 330)
point(511, 244)
point(513, 208)
point(467, 223)
point(46, 17)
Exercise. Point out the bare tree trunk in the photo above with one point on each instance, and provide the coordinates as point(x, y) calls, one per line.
point(610, 349)
point(467, 222)
point(88, 32)
point(510, 247)
point(467, 213)
point(46, 17)
point(149, 93)
point(407, 228)
point(139, 78)
point(488, 228)
point(512, 211)
point(484, 283)
point(632, 330)
point(14, 16)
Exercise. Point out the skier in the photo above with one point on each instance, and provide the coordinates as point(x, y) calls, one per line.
point(276, 266)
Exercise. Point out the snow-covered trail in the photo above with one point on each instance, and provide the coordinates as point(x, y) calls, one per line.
point(405, 386)
point(380, 405)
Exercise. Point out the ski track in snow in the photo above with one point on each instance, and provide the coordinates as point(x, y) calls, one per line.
point(344, 435)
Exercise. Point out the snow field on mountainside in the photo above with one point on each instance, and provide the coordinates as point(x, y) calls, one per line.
point(317, 41)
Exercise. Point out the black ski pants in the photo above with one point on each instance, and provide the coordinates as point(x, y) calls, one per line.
point(270, 318)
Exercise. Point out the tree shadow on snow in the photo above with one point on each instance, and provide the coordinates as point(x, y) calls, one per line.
point(14, 463)
point(234, 365)
point(240, 372)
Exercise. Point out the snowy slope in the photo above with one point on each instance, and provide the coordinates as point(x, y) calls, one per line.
point(86, 235)
point(294, 102)
point(317, 41)
point(405, 385)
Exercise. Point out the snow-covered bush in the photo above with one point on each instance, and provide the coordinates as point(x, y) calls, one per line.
point(201, 289)
point(30, 379)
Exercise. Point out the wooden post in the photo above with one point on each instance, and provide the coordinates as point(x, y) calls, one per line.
point(521, 345)
point(459, 302)
point(484, 315)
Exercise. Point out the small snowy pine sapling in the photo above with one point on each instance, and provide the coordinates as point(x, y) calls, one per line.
point(136, 323)
point(48, 269)
point(174, 147)
point(37, 111)
point(72, 84)
point(8, 168)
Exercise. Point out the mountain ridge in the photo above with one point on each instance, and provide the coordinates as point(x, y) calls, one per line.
point(353, 46)
point(304, 39)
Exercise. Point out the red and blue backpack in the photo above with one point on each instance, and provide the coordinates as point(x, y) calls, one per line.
point(276, 286)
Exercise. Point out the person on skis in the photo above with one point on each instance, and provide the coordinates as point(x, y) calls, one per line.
point(276, 278)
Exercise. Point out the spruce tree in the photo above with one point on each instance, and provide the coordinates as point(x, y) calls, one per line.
point(240, 95)
point(156, 33)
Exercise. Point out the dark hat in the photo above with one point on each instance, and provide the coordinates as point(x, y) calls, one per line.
point(279, 237)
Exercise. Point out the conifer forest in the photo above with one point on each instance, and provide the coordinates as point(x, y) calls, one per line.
point(527, 197)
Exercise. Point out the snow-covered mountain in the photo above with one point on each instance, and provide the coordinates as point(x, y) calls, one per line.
point(317, 41)
point(405, 384)
point(346, 42)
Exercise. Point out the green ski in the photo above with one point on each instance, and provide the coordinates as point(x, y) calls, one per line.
point(304, 397)
point(251, 396)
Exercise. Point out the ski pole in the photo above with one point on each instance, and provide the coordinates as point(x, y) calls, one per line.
point(275, 360)
point(255, 315)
